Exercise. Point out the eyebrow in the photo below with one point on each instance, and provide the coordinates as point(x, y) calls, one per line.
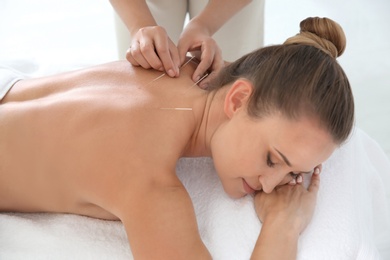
point(287, 161)
point(283, 157)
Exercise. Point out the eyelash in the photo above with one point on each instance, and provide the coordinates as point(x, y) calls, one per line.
point(272, 164)
point(269, 162)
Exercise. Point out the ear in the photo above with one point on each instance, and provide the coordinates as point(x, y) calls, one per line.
point(237, 96)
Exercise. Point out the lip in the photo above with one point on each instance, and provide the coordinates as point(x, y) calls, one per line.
point(248, 189)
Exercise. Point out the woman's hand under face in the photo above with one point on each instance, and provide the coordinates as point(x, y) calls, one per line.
point(291, 204)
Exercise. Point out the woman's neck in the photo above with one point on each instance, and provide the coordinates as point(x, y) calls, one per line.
point(207, 108)
point(208, 116)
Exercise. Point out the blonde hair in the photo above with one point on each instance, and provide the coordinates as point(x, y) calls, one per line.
point(300, 77)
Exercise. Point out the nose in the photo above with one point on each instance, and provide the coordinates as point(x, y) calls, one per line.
point(268, 188)
point(270, 181)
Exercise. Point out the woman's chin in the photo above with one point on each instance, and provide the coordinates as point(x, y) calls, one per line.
point(235, 194)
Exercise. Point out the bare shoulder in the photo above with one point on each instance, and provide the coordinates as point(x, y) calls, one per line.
point(109, 74)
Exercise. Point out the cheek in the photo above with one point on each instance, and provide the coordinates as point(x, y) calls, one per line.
point(233, 157)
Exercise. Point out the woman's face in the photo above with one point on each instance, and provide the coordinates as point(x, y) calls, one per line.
point(261, 154)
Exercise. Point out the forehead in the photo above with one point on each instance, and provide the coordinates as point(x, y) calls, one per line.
point(303, 141)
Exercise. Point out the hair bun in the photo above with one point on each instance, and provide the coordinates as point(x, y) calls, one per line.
point(322, 33)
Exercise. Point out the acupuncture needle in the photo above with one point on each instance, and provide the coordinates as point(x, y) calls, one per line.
point(162, 75)
point(185, 108)
point(177, 108)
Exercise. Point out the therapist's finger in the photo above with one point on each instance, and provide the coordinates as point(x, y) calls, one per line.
point(135, 57)
point(129, 56)
point(204, 84)
point(169, 56)
point(174, 51)
point(216, 66)
point(149, 53)
point(206, 60)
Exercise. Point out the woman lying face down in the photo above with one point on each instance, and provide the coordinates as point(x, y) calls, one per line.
point(104, 141)
point(300, 100)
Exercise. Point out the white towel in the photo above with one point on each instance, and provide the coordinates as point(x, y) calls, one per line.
point(8, 78)
point(351, 220)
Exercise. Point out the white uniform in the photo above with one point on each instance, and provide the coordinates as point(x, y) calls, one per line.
point(240, 35)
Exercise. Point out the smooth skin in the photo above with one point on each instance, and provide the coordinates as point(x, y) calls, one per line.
point(279, 227)
point(152, 47)
point(102, 142)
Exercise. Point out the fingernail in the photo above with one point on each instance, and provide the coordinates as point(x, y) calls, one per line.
point(299, 179)
point(316, 171)
point(293, 182)
point(197, 78)
point(171, 73)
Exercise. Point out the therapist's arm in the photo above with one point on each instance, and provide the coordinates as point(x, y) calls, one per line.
point(217, 13)
point(135, 14)
point(197, 35)
point(150, 45)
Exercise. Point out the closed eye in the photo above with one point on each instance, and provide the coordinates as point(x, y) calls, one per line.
point(269, 162)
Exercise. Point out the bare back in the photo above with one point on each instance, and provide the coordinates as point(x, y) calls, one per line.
point(69, 143)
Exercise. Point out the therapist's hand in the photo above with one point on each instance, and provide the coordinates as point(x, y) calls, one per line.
point(151, 47)
point(197, 40)
point(292, 204)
